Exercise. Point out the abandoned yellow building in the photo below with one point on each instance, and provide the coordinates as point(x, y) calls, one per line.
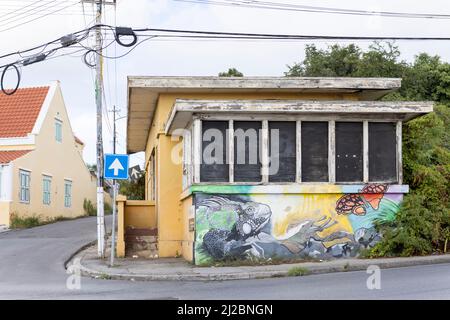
point(265, 167)
point(42, 171)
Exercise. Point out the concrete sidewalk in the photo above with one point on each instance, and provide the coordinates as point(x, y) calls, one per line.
point(179, 269)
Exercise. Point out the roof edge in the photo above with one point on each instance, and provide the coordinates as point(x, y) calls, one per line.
point(214, 82)
point(45, 107)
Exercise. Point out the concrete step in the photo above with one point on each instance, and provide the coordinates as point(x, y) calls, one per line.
point(3, 227)
point(139, 246)
point(147, 254)
point(141, 231)
point(133, 238)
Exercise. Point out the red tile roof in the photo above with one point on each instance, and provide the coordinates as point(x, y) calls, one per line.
point(8, 156)
point(18, 112)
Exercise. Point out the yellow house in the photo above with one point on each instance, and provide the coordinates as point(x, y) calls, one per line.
point(42, 171)
point(263, 167)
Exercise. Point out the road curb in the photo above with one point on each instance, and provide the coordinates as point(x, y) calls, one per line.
point(72, 256)
point(279, 270)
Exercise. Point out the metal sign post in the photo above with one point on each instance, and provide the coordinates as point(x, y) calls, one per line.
point(113, 235)
point(116, 168)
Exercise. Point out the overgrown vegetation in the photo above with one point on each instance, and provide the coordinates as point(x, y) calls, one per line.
point(21, 222)
point(18, 222)
point(422, 226)
point(133, 190)
point(91, 210)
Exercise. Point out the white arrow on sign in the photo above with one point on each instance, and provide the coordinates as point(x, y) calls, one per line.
point(116, 166)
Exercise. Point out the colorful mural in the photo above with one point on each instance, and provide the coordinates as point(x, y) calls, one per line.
point(319, 225)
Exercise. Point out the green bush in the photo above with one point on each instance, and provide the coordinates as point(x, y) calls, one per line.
point(89, 208)
point(422, 226)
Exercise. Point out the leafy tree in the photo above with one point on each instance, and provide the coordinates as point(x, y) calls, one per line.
point(422, 225)
point(133, 190)
point(232, 72)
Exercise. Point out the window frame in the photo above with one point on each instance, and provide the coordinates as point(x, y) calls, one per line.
point(24, 190)
point(46, 179)
point(58, 133)
point(197, 146)
point(68, 196)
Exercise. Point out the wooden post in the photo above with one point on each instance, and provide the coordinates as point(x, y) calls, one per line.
point(230, 151)
point(298, 148)
point(398, 133)
point(366, 151)
point(265, 152)
point(331, 152)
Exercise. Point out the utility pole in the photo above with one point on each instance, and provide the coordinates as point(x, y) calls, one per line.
point(113, 235)
point(101, 231)
point(99, 103)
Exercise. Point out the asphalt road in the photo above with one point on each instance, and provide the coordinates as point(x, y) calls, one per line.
point(32, 267)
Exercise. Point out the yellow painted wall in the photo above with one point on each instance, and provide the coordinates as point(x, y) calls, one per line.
point(171, 213)
point(60, 160)
point(140, 214)
point(4, 212)
point(170, 222)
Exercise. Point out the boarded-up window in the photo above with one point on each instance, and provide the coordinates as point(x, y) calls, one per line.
point(282, 151)
point(247, 164)
point(314, 151)
point(214, 165)
point(382, 152)
point(349, 151)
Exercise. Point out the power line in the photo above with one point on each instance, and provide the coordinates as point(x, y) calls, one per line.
point(19, 9)
point(44, 6)
point(49, 49)
point(40, 17)
point(315, 9)
point(232, 35)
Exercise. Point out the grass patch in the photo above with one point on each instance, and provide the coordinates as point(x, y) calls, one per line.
point(21, 222)
point(253, 262)
point(18, 222)
point(298, 272)
point(104, 276)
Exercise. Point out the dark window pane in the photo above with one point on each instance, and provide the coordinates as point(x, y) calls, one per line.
point(349, 154)
point(247, 165)
point(214, 166)
point(382, 152)
point(282, 166)
point(314, 151)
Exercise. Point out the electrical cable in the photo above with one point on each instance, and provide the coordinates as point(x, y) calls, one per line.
point(3, 78)
point(315, 9)
point(49, 49)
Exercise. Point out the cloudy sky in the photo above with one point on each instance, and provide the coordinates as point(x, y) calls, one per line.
point(45, 20)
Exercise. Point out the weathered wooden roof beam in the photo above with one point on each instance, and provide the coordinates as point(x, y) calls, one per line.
point(401, 110)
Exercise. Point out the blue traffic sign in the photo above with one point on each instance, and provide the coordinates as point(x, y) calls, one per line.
point(116, 166)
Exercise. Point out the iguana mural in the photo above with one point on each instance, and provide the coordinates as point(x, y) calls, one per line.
point(239, 227)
